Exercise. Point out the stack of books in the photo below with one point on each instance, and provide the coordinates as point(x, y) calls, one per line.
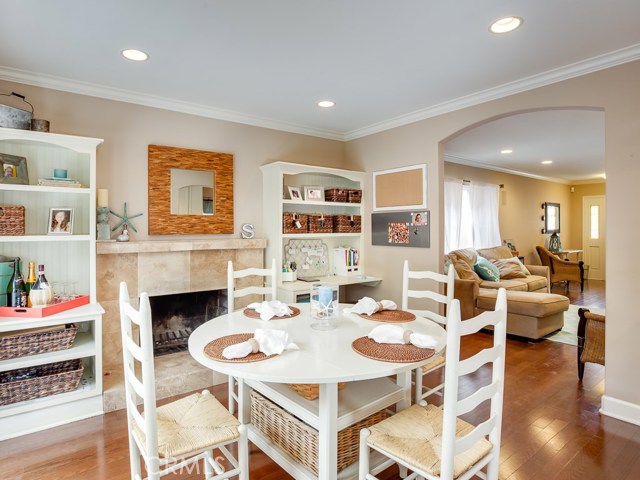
point(59, 182)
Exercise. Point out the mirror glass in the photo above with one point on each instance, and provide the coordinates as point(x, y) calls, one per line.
point(551, 217)
point(192, 192)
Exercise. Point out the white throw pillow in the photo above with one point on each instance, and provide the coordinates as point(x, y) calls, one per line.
point(516, 260)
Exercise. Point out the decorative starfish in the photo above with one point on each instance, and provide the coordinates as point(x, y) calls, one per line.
point(124, 218)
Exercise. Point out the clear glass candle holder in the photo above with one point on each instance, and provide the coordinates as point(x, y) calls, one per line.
point(324, 306)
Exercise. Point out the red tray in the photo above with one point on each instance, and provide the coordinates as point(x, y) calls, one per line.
point(44, 311)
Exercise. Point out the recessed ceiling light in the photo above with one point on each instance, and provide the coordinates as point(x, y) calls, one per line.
point(135, 55)
point(547, 162)
point(506, 151)
point(505, 25)
point(326, 103)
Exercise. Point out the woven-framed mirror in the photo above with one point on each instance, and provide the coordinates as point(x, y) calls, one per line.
point(199, 207)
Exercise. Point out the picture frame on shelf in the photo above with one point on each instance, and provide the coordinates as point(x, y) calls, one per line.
point(314, 193)
point(60, 221)
point(14, 169)
point(294, 193)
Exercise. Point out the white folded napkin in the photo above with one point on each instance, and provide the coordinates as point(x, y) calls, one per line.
point(397, 335)
point(269, 342)
point(368, 306)
point(270, 309)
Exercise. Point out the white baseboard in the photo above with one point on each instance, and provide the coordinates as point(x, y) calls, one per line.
point(620, 409)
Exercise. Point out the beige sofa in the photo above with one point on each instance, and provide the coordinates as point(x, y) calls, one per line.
point(532, 311)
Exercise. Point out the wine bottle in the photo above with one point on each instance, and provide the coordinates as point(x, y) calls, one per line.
point(16, 292)
point(41, 293)
point(30, 281)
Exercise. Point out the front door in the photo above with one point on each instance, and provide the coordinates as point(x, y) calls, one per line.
point(593, 235)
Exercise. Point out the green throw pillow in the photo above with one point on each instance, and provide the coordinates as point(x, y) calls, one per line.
point(486, 270)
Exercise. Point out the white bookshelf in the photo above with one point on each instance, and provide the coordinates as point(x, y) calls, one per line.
point(68, 259)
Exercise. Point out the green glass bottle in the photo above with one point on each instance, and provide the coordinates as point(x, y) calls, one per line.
point(16, 291)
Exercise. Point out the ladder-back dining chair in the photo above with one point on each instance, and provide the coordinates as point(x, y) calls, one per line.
point(268, 287)
point(172, 436)
point(443, 300)
point(433, 442)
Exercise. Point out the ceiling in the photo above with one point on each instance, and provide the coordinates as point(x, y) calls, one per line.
point(267, 63)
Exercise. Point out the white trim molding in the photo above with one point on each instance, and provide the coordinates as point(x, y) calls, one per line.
point(620, 409)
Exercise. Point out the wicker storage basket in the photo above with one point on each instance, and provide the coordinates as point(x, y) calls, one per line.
point(11, 220)
point(320, 223)
point(310, 391)
point(354, 196)
point(294, 222)
point(346, 223)
point(300, 440)
point(35, 341)
point(335, 195)
point(39, 381)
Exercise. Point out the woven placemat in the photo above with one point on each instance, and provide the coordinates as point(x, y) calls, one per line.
point(390, 316)
point(251, 313)
point(390, 352)
point(214, 349)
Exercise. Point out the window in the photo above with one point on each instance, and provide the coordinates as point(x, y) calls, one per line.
point(471, 215)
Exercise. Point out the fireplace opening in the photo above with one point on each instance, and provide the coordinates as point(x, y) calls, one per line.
point(174, 317)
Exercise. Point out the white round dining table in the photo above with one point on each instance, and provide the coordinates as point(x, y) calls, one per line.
point(323, 357)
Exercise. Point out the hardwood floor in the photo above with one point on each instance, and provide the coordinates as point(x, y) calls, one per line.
point(551, 426)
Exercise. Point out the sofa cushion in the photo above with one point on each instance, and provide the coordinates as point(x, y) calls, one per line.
point(534, 282)
point(515, 284)
point(486, 269)
point(465, 271)
point(525, 303)
point(468, 255)
point(509, 269)
point(496, 253)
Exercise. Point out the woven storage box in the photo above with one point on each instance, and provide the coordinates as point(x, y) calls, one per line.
point(354, 196)
point(294, 222)
point(22, 344)
point(346, 223)
point(39, 381)
point(335, 195)
point(320, 223)
point(310, 391)
point(300, 440)
point(11, 220)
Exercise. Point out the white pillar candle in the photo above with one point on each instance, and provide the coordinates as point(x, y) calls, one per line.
point(103, 197)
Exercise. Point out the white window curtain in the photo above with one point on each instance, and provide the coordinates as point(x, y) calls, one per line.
point(471, 215)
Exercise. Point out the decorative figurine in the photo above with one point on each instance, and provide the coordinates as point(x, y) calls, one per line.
point(124, 236)
point(247, 230)
point(126, 221)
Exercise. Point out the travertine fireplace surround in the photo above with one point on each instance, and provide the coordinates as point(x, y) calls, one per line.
point(164, 268)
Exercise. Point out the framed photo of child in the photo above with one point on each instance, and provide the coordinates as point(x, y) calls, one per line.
point(60, 221)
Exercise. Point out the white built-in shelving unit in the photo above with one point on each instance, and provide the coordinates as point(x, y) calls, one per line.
point(276, 178)
point(68, 259)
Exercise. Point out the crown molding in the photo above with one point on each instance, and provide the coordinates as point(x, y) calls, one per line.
point(485, 166)
point(600, 62)
point(127, 96)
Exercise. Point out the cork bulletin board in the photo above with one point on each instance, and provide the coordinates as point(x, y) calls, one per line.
point(400, 188)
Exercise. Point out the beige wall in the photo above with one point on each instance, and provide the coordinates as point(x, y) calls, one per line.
point(615, 90)
point(521, 199)
point(581, 191)
point(128, 129)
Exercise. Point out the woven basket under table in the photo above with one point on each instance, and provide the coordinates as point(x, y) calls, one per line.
point(347, 223)
point(310, 391)
point(22, 344)
point(39, 381)
point(300, 440)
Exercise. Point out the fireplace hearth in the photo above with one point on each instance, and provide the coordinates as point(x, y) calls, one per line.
point(175, 316)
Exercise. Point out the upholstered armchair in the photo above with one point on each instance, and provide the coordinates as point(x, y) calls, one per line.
point(562, 270)
point(591, 329)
